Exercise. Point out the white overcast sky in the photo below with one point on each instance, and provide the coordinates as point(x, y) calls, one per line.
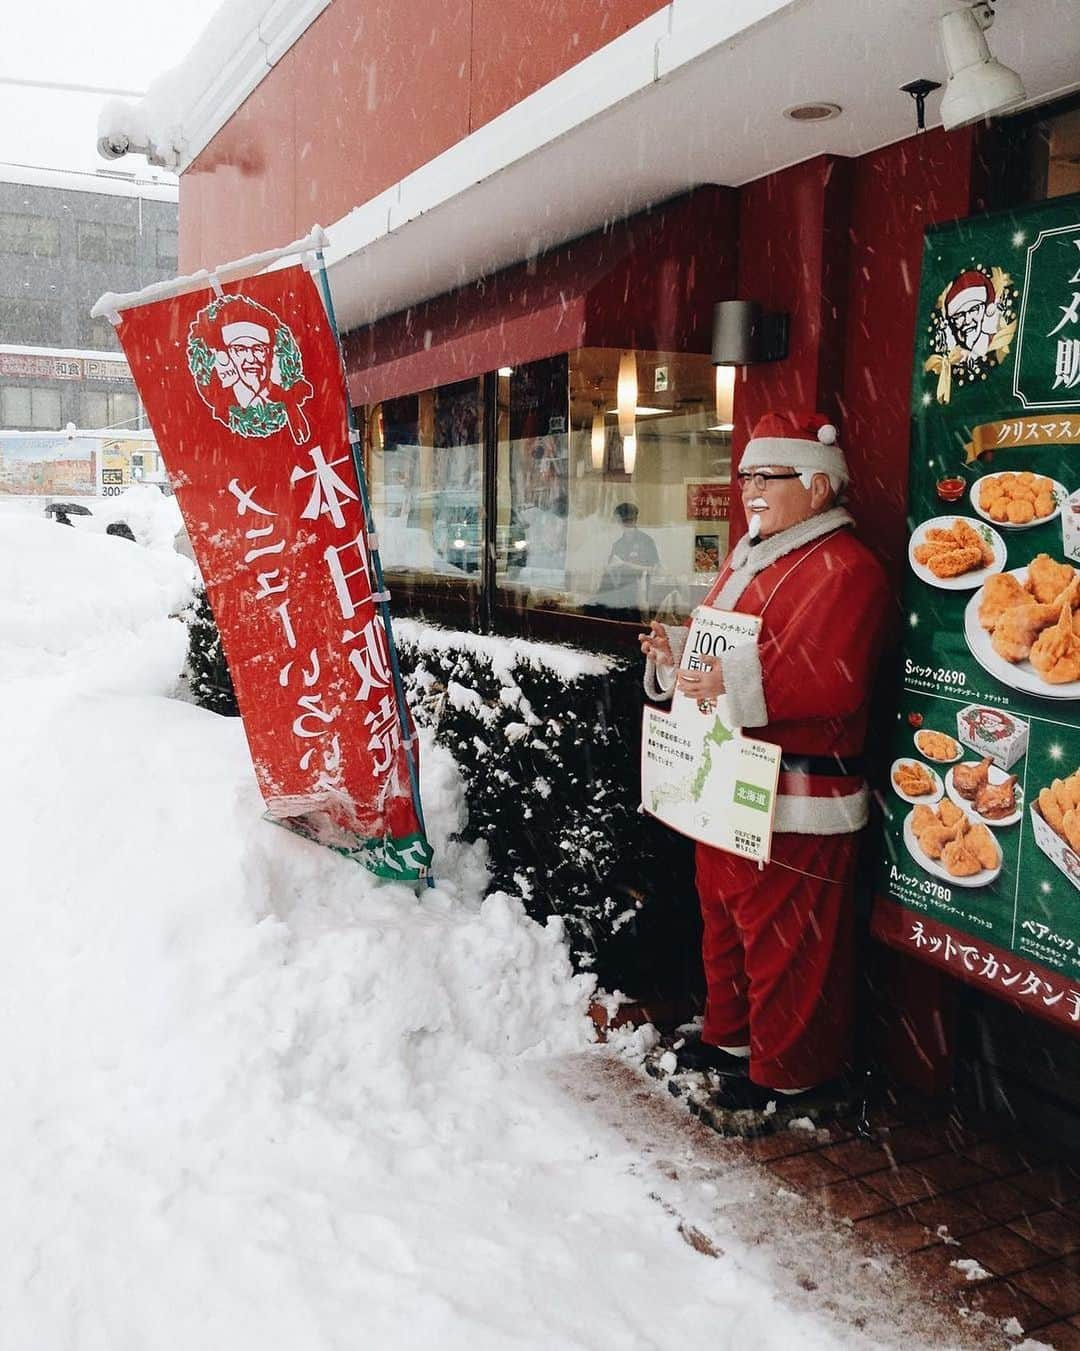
point(121, 44)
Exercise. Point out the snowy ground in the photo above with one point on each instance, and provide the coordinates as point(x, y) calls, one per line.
point(255, 1099)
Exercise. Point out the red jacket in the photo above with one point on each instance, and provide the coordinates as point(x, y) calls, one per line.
point(805, 685)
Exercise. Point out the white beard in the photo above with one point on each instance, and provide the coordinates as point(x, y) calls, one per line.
point(753, 526)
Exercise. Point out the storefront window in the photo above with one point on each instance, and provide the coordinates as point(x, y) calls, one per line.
point(597, 523)
point(1063, 154)
point(583, 520)
point(425, 460)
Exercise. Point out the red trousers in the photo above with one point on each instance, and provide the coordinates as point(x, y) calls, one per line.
point(779, 956)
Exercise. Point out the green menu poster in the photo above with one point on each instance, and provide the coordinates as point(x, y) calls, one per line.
point(980, 872)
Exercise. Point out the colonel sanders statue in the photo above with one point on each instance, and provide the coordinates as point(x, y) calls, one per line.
point(778, 945)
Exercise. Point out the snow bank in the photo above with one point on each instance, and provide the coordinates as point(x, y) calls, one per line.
point(153, 517)
point(255, 1099)
point(88, 608)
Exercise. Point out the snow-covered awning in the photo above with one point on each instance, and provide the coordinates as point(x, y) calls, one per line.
point(183, 109)
point(694, 94)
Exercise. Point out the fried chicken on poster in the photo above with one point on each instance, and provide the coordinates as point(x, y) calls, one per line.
point(945, 834)
point(1059, 807)
point(1015, 614)
point(952, 552)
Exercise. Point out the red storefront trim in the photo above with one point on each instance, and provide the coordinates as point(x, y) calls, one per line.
point(1025, 984)
point(648, 283)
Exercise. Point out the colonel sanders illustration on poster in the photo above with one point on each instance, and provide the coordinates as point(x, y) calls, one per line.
point(972, 327)
point(247, 368)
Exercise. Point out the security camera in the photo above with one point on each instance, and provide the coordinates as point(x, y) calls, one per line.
point(115, 145)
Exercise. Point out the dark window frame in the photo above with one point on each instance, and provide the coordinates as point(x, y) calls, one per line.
point(50, 309)
point(113, 234)
point(91, 332)
point(171, 258)
point(488, 608)
point(36, 392)
point(32, 216)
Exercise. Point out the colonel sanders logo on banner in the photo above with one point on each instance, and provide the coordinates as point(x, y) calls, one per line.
point(971, 328)
point(247, 368)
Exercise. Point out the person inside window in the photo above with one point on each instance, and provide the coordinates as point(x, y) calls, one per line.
point(632, 558)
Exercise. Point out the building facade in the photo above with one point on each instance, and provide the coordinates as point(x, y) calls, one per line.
point(528, 196)
point(64, 239)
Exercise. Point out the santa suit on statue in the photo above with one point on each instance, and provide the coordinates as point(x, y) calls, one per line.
point(778, 941)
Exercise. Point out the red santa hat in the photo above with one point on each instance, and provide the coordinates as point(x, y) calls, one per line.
point(968, 286)
point(801, 440)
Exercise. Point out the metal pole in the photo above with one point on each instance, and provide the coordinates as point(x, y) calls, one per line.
point(369, 528)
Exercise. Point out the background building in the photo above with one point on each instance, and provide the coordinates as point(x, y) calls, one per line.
point(64, 239)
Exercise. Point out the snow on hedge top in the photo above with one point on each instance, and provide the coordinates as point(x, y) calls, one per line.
point(503, 654)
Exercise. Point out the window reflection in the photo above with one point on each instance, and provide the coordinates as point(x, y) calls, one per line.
point(612, 529)
point(586, 521)
point(425, 462)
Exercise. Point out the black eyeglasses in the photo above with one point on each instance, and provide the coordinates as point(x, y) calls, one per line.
point(759, 480)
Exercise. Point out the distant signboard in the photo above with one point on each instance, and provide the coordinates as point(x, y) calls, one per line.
point(124, 462)
point(82, 466)
point(26, 366)
point(34, 366)
point(708, 500)
point(49, 464)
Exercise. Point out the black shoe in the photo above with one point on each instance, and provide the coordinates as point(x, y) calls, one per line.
point(743, 1095)
point(696, 1054)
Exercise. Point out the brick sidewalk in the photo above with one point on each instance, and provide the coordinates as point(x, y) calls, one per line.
point(933, 1190)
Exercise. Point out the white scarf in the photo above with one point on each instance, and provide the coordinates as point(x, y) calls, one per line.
point(748, 559)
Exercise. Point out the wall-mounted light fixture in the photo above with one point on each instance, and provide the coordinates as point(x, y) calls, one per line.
point(979, 85)
point(626, 394)
point(598, 437)
point(744, 335)
point(725, 398)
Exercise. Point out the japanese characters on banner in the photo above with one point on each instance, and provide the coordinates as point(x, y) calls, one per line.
point(981, 869)
point(246, 395)
point(699, 774)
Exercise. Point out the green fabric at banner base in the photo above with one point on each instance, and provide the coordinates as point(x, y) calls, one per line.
point(401, 859)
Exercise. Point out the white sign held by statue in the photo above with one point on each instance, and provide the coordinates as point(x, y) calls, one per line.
point(699, 774)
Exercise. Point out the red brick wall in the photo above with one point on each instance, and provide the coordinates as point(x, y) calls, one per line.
point(896, 193)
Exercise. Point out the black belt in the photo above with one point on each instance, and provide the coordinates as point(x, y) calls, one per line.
point(833, 766)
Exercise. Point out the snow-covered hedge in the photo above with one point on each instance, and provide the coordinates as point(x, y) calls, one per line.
point(548, 741)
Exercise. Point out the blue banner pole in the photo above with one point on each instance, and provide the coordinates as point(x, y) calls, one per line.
point(371, 532)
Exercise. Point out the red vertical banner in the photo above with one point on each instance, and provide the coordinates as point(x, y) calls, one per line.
point(246, 395)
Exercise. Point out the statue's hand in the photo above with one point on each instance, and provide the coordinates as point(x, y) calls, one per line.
point(707, 684)
point(655, 644)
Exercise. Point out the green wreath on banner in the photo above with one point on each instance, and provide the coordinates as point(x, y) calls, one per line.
point(207, 354)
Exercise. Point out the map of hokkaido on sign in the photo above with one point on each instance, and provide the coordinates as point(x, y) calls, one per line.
point(246, 395)
point(699, 774)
